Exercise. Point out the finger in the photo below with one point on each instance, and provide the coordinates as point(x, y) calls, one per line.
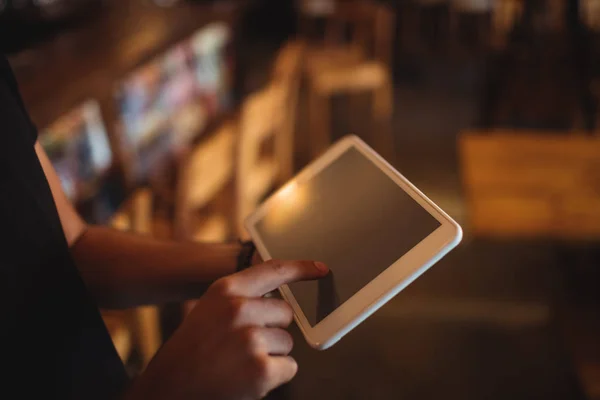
point(261, 279)
point(261, 342)
point(276, 341)
point(265, 312)
point(281, 370)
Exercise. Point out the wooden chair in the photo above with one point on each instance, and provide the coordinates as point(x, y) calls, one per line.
point(316, 8)
point(505, 15)
point(360, 64)
point(589, 13)
point(552, 18)
point(139, 327)
point(203, 206)
point(423, 24)
point(287, 72)
point(265, 155)
point(479, 12)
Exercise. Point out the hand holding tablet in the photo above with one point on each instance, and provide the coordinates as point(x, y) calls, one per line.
point(374, 230)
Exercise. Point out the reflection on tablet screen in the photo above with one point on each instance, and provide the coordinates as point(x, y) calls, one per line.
point(351, 216)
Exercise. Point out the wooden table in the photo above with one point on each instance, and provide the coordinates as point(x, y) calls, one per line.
point(522, 183)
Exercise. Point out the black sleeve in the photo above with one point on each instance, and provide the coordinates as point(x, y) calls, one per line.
point(6, 74)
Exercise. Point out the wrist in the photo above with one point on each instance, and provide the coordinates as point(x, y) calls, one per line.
point(222, 256)
point(233, 253)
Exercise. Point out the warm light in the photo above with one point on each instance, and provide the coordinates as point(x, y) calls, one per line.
point(289, 201)
point(288, 190)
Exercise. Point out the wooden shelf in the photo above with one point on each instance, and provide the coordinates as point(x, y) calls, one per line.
point(87, 60)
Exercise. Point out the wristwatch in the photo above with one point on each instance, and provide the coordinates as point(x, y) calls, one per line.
point(244, 259)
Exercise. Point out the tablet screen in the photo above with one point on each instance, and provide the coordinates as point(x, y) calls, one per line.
point(353, 217)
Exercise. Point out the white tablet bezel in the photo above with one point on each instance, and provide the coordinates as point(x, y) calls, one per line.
point(387, 284)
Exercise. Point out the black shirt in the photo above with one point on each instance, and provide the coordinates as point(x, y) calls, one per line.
point(53, 341)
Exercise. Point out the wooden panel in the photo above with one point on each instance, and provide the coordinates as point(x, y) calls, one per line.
point(210, 168)
point(532, 183)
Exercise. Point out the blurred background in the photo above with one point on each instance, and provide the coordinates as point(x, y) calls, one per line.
point(176, 118)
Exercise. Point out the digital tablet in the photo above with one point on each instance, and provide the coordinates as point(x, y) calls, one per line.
point(375, 231)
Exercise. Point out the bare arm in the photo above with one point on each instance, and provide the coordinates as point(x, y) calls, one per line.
point(122, 269)
point(233, 345)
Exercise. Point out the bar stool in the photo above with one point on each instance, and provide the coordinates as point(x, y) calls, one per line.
point(342, 67)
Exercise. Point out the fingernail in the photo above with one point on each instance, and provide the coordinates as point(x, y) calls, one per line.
point(322, 267)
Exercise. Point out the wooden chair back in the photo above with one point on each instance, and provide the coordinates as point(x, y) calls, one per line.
point(589, 14)
point(258, 168)
point(472, 6)
point(266, 134)
point(505, 15)
point(203, 206)
point(367, 25)
point(287, 72)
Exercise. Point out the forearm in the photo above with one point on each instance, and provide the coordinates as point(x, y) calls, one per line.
point(123, 269)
